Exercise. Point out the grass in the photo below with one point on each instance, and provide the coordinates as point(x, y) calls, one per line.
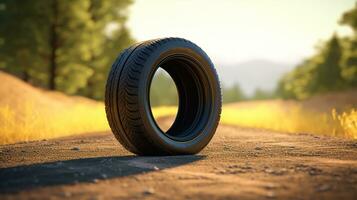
point(294, 119)
point(164, 111)
point(31, 122)
point(36, 123)
point(348, 122)
point(283, 117)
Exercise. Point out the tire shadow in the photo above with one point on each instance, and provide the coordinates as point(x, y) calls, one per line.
point(15, 179)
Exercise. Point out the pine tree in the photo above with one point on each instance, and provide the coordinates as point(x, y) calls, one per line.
point(163, 89)
point(233, 94)
point(327, 74)
point(46, 41)
point(69, 45)
point(20, 53)
point(109, 37)
point(350, 66)
point(63, 45)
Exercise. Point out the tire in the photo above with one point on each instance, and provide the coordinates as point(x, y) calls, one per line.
point(127, 101)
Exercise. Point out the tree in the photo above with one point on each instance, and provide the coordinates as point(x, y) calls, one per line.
point(297, 84)
point(333, 67)
point(20, 53)
point(327, 73)
point(349, 18)
point(320, 73)
point(233, 94)
point(47, 35)
point(63, 45)
point(260, 94)
point(163, 90)
point(109, 37)
point(69, 25)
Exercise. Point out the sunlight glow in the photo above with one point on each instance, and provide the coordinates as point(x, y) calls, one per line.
point(236, 30)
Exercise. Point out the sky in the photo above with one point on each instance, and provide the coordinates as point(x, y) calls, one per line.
point(237, 31)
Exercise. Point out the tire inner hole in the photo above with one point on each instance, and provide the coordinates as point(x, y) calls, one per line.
point(191, 105)
point(164, 99)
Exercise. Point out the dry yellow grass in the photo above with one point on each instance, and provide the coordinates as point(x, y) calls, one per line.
point(333, 114)
point(28, 113)
point(291, 118)
point(284, 116)
point(348, 122)
point(34, 123)
point(164, 111)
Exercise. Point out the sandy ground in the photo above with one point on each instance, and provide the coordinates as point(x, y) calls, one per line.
point(238, 164)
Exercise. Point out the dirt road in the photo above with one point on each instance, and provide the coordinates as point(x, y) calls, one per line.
point(238, 164)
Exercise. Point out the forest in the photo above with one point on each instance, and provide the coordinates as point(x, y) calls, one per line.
point(332, 68)
point(69, 46)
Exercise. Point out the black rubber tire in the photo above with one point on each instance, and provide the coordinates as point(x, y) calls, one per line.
point(127, 101)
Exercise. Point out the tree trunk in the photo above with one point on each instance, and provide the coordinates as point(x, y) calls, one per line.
point(53, 47)
point(25, 76)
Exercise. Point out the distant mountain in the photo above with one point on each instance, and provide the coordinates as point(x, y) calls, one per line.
point(253, 74)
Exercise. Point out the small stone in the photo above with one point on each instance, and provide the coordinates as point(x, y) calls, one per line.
point(95, 180)
point(75, 149)
point(258, 148)
point(156, 168)
point(314, 171)
point(269, 171)
point(149, 191)
point(104, 176)
point(67, 194)
point(275, 172)
point(23, 151)
point(270, 186)
point(246, 167)
point(323, 188)
point(237, 171)
point(271, 195)
point(354, 145)
point(226, 148)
